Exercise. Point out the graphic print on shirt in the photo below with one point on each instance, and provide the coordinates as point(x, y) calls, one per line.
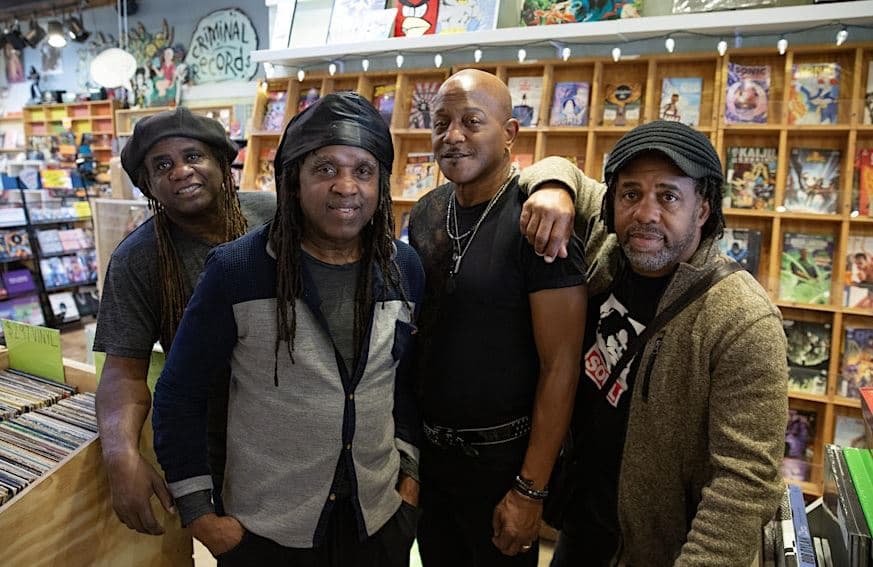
point(615, 328)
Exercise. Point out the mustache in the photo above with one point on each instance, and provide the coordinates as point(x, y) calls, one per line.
point(643, 230)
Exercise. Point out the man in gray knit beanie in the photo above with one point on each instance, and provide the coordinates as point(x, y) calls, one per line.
point(679, 434)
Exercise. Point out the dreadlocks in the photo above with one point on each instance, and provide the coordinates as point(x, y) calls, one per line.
point(286, 237)
point(174, 295)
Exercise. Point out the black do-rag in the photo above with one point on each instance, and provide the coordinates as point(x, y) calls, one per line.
point(337, 119)
point(181, 123)
point(690, 150)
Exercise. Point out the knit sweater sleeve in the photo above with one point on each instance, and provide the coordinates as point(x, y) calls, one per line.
point(747, 419)
point(199, 355)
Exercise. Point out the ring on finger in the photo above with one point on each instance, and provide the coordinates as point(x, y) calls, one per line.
point(526, 547)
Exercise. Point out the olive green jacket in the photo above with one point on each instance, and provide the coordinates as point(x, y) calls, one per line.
point(700, 472)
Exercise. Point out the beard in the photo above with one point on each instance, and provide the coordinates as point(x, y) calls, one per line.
point(646, 262)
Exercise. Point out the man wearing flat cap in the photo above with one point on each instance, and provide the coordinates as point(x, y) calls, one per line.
point(315, 315)
point(181, 163)
point(678, 447)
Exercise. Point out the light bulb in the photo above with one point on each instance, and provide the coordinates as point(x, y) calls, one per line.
point(365, 64)
point(477, 55)
point(522, 55)
point(722, 47)
point(782, 45)
point(842, 36)
point(565, 53)
point(438, 60)
point(616, 54)
point(670, 44)
point(301, 74)
point(331, 69)
point(399, 60)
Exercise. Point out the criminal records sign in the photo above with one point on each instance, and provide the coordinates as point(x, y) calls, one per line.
point(221, 48)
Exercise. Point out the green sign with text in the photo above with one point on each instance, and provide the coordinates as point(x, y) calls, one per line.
point(36, 350)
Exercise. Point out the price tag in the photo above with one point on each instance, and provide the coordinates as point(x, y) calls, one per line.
point(82, 208)
point(36, 350)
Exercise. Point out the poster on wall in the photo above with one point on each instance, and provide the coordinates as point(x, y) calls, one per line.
point(161, 68)
point(52, 60)
point(221, 47)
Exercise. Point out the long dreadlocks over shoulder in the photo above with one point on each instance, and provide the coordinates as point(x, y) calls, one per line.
point(180, 123)
point(344, 119)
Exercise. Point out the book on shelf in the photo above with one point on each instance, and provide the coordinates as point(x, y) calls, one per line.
point(274, 111)
point(859, 272)
point(856, 364)
point(799, 438)
point(751, 177)
point(64, 307)
point(743, 245)
point(841, 501)
point(542, 13)
point(419, 176)
point(383, 101)
point(423, 95)
point(459, 17)
point(360, 20)
point(868, 95)
point(815, 93)
point(16, 244)
point(748, 93)
point(264, 178)
point(862, 183)
point(415, 18)
point(813, 184)
point(849, 431)
point(570, 104)
point(860, 464)
point(57, 179)
point(307, 98)
point(18, 281)
point(804, 552)
point(49, 241)
point(809, 353)
point(526, 93)
point(807, 265)
point(54, 274)
point(621, 104)
point(680, 100)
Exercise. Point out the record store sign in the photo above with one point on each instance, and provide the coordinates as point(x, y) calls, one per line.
point(36, 350)
point(221, 48)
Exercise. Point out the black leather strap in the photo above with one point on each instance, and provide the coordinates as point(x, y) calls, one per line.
point(636, 344)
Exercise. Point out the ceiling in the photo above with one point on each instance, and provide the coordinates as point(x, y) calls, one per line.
point(24, 9)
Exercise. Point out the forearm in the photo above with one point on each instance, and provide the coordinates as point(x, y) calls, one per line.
point(123, 404)
point(553, 408)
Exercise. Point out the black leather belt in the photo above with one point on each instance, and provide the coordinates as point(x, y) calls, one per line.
point(467, 439)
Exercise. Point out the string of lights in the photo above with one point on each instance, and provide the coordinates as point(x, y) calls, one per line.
point(565, 50)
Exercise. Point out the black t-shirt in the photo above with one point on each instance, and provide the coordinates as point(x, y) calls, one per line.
point(476, 355)
point(600, 420)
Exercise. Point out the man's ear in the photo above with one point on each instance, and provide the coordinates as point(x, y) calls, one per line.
point(703, 215)
point(510, 129)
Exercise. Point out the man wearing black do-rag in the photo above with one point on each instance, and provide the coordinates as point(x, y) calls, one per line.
point(315, 314)
point(678, 447)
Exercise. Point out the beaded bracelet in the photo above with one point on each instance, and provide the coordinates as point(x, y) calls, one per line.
point(525, 487)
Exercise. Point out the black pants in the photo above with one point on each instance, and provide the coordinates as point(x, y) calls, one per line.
point(589, 536)
point(458, 497)
point(389, 547)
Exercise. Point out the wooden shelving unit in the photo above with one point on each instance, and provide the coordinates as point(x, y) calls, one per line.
point(89, 117)
point(593, 141)
point(13, 128)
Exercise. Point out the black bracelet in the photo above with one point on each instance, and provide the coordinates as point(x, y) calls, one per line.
point(525, 487)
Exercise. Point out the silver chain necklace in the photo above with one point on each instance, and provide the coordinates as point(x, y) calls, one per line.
point(458, 252)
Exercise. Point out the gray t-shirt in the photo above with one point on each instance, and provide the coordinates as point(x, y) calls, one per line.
point(128, 323)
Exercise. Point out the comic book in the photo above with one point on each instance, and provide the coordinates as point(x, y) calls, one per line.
point(815, 93)
point(807, 265)
point(799, 443)
point(265, 179)
point(809, 353)
point(859, 272)
point(415, 18)
point(17, 243)
point(383, 101)
point(307, 98)
point(570, 104)
point(680, 100)
point(360, 20)
point(849, 432)
point(868, 96)
point(742, 245)
point(621, 105)
point(862, 183)
point(457, 16)
point(420, 174)
point(423, 94)
point(813, 184)
point(526, 95)
point(748, 93)
point(751, 177)
point(274, 111)
point(856, 366)
point(548, 12)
